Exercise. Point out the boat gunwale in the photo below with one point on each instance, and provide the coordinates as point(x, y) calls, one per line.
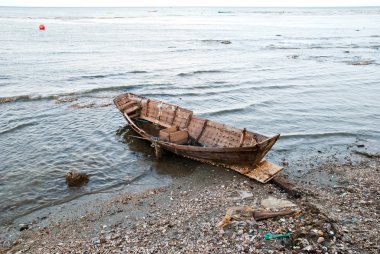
point(151, 138)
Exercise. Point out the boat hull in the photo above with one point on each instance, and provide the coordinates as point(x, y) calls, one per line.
point(213, 140)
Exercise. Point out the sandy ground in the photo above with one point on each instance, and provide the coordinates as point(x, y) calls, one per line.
point(339, 213)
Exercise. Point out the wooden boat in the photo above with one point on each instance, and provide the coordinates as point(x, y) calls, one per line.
point(185, 134)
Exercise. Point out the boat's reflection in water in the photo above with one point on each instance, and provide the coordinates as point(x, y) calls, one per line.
point(169, 164)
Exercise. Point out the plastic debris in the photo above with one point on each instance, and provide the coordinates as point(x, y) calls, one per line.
point(277, 236)
point(246, 212)
point(275, 203)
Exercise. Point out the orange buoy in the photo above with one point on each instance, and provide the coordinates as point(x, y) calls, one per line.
point(42, 27)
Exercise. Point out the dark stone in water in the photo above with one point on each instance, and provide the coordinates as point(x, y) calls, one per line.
point(24, 227)
point(75, 179)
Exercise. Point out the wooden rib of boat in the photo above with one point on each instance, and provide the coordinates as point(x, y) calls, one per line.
point(187, 135)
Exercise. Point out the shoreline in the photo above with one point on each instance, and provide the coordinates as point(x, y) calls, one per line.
point(336, 215)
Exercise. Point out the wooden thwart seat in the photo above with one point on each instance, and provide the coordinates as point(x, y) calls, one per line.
point(174, 135)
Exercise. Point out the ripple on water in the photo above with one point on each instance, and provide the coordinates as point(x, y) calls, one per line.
point(17, 127)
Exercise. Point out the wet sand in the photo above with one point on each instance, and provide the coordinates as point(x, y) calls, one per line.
point(339, 212)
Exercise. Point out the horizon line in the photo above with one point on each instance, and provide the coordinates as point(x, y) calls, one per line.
point(198, 6)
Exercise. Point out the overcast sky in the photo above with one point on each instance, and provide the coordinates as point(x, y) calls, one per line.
point(259, 3)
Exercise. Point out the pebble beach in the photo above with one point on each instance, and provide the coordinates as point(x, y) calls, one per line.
point(184, 217)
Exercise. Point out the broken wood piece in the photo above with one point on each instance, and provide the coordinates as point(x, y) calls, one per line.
point(263, 172)
point(284, 184)
point(247, 212)
point(260, 215)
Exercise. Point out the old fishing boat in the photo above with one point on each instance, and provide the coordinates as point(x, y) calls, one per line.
point(187, 135)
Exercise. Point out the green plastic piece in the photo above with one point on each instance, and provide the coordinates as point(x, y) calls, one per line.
point(272, 236)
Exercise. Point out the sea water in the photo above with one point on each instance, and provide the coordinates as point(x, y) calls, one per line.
point(312, 75)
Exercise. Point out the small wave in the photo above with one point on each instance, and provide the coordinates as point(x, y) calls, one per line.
point(59, 96)
point(65, 100)
point(114, 88)
point(217, 41)
point(74, 52)
point(317, 135)
point(101, 76)
point(138, 72)
point(224, 111)
point(185, 74)
point(212, 91)
point(2, 77)
point(26, 98)
point(360, 62)
point(91, 105)
point(209, 85)
point(18, 127)
point(183, 50)
point(272, 46)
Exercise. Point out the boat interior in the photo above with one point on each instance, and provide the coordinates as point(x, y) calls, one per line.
point(171, 123)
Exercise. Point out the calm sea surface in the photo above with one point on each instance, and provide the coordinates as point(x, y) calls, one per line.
point(312, 75)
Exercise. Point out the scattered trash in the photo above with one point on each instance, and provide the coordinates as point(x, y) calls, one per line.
point(321, 239)
point(275, 203)
point(236, 213)
point(246, 212)
point(277, 236)
point(242, 194)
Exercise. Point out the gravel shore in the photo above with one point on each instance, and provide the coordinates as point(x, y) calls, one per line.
point(338, 212)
